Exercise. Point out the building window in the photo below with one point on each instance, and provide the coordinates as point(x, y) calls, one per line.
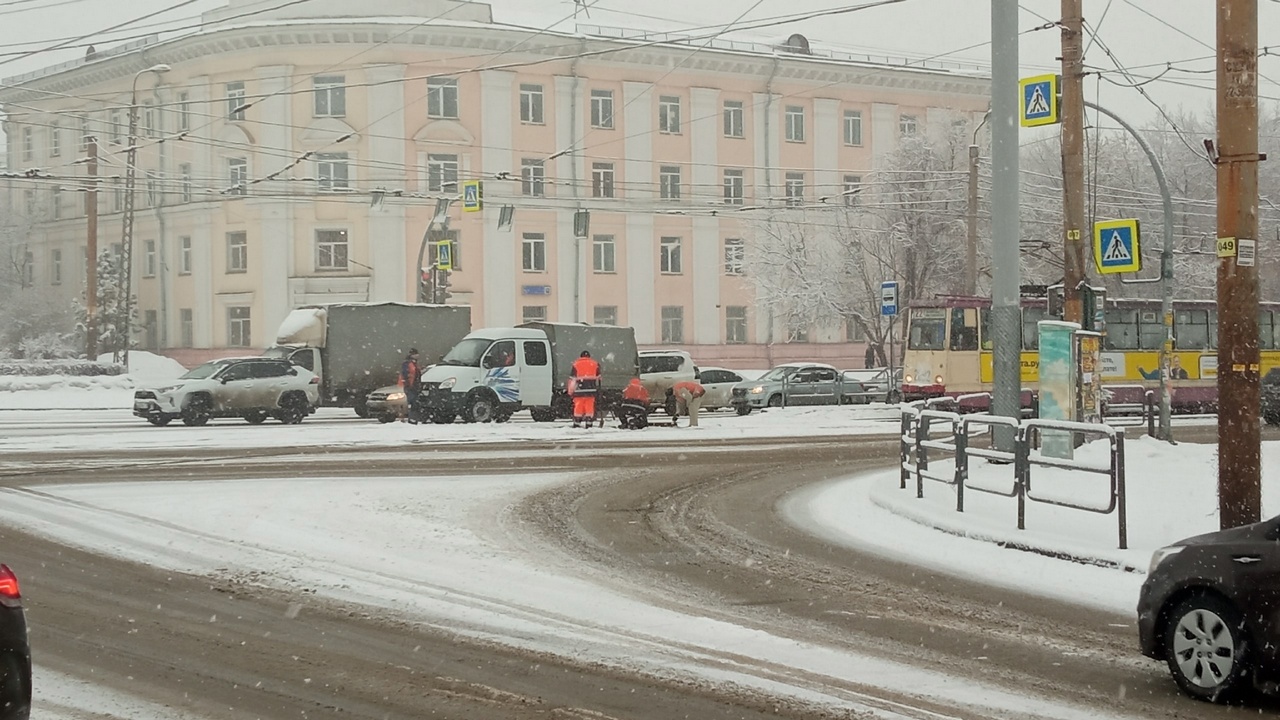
point(735, 324)
point(238, 330)
point(55, 141)
point(795, 189)
point(28, 269)
point(115, 128)
point(604, 254)
point(85, 133)
point(672, 324)
point(669, 114)
point(533, 176)
point(852, 190)
point(669, 182)
point(852, 127)
point(795, 123)
point(235, 100)
point(186, 327)
point(151, 189)
point(57, 203)
point(117, 198)
point(29, 201)
point(152, 325)
point(331, 250)
point(55, 267)
point(442, 173)
point(184, 111)
point(237, 252)
point(531, 104)
point(734, 187)
point(534, 250)
point(442, 98)
point(237, 176)
point(332, 172)
point(149, 258)
point(602, 109)
point(602, 180)
point(331, 95)
point(907, 125)
point(853, 331)
point(798, 333)
point(669, 255)
point(433, 250)
point(184, 255)
point(735, 256)
point(28, 144)
point(150, 121)
point(734, 119)
point(184, 172)
point(533, 313)
point(604, 315)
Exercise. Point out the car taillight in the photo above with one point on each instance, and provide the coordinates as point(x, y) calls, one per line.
point(315, 380)
point(8, 584)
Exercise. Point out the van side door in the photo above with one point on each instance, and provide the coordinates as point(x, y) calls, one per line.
point(534, 358)
point(501, 371)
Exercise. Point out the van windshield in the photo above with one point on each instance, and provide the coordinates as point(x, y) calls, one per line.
point(467, 353)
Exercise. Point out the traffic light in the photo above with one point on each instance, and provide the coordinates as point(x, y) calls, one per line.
point(441, 287)
point(424, 285)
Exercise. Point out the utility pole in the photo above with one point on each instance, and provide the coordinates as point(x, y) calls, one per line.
point(971, 247)
point(1006, 310)
point(1239, 433)
point(91, 253)
point(1073, 249)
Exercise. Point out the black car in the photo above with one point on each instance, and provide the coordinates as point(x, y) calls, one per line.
point(1210, 608)
point(15, 654)
point(1271, 397)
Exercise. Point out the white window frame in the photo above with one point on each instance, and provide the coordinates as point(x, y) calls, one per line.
point(532, 104)
point(235, 95)
point(28, 143)
point(908, 125)
point(603, 180)
point(669, 182)
point(239, 329)
point(330, 96)
point(735, 122)
point(442, 173)
point(237, 252)
point(184, 112)
point(533, 177)
point(733, 323)
point(86, 132)
point(604, 254)
point(152, 188)
point(186, 327)
point(115, 129)
point(672, 324)
point(55, 140)
point(670, 260)
point(669, 114)
point(795, 123)
point(184, 255)
point(150, 121)
point(533, 252)
point(852, 190)
point(184, 174)
point(794, 185)
point(55, 266)
point(853, 128)
point(149, 258)
point(442, 98)
point(237, 176)
point(57, 203)
point(735, 257)
point(735, 187)
point(333, 172)
point(333, 250)
point(608, 317)
point(602, 109)
point(533, 313)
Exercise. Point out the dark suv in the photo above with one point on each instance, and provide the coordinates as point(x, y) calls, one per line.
point(15, 654)
point(1210, 608)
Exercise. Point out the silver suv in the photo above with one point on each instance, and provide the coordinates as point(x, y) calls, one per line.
point(251, 388)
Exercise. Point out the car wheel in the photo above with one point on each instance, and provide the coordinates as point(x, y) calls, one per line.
point(387, 418)
point(441, 417)
point(671, 406)
point(256, 418)
point(893, 398)
point(160, 420)
point(543, 414)
point(775, 401)
point(293, 408)
point(742, 409)
point(197, 411)
point(480, 408)
point(361, 407)
point(1206, 646)
point(15, 692)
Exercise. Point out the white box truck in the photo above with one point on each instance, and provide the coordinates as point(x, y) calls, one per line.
point(496, 372)
point(357, 348)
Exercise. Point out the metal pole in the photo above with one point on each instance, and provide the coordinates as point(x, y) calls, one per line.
point(1239, 432)
point(91, 253)
point(422, 250)
point(125, 321)
point(971, 247)
point(1166, 275)
point(1006, 315)
point(1073, 248)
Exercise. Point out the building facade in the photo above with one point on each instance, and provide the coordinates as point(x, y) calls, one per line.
point(299, 155)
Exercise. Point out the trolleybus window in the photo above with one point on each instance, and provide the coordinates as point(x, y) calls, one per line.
point(1266, 331)
point(1122, 329)
point(928, 329)
point(1191, 329)
point(964, 328)
point(1031, 318)
point(984, 319)
point(1150, 330)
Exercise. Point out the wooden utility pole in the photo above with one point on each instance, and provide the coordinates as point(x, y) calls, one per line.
point(91, 253)
point(1073, 248)
point(1239, 432)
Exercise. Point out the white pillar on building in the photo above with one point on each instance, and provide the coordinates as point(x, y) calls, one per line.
point(704, 137)
point(826, 150)
point(387, 230)
point(884, 131)
point(275, 236)
point(571, 128)
point(496, 119)
point(205, 207)
point(638, 176)
point(767, 135)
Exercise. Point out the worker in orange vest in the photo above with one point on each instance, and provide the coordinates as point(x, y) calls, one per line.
point(688, 399)
point(585, 376)
point(633, 413)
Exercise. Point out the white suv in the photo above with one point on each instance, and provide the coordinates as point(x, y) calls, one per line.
point(660, 370)
point(251, 388)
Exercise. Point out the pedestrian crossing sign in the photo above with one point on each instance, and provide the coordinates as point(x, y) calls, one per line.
point(1039, 104)
point(1116, 246)
point(472, 196)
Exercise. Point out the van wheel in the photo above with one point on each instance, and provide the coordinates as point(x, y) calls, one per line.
point(441, 417)
point(1207, 648)
point(501, 416)
point(542, 414)
point(480, 408)
point(197, 411)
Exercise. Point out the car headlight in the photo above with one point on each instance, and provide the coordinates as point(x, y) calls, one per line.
point(1161, 555)
point(937, 380)
point(395, 396)
point(449, 383)
point(166, 389)
point(757, 390)
point(908, 379)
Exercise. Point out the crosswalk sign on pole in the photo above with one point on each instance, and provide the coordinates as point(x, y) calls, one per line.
point(1039, 100)
point(472, 196)
point(1116, 246)
point(444, 254)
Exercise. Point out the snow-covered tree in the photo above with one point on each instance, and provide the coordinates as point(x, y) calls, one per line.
point(110, 320)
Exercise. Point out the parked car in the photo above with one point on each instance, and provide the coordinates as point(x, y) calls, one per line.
point(1210, 608)
point(388, 404)
point(15, 651)
point(719, 384)
point(878, 384)
point(790, 384)
point(662, 369)
point(1271, 397)
point(253, 388)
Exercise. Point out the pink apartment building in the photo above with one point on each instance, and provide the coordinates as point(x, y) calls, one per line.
point(297, 155)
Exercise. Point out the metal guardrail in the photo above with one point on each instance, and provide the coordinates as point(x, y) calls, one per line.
point(917, 442)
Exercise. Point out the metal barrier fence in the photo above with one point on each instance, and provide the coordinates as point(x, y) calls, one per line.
point(919, 444)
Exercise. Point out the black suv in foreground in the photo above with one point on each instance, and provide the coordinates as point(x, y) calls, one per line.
point(15, 654)
point(1210, 608)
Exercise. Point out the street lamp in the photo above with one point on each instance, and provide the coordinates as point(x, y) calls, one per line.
point(126, 225)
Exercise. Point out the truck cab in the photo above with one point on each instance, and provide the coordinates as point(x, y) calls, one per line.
point(490, 375)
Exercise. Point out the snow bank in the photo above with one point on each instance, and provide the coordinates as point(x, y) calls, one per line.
point(145, 366)
point(44, 392)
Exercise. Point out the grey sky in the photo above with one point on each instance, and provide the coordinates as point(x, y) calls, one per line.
point(1183, 34)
